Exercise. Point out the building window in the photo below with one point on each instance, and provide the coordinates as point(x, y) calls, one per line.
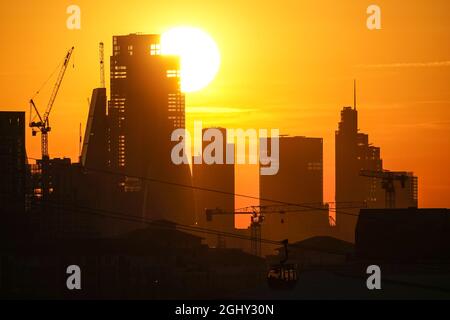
point(155, 49)
point(315, 166)
point(173, 74)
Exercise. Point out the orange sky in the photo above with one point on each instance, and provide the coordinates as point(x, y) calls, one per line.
point(285, 64)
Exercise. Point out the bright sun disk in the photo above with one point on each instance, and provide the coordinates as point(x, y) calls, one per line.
point(199, 56)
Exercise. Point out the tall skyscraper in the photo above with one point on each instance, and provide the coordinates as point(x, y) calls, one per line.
point(146, 106)
point(299, 180)
point(354, 153)
point(217, 177)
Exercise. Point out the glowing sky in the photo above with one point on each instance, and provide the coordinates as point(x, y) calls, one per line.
point(286, 65)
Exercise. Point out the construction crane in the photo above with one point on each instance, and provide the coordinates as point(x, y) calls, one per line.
point(387, 183)
point(257, 215)
point(43, 125)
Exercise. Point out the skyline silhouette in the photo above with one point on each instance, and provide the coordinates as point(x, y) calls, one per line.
point(119, 138)
point(99, 200)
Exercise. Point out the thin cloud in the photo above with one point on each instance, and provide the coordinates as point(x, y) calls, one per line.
point(215, 109)
point(437, 125)
point(407, 65)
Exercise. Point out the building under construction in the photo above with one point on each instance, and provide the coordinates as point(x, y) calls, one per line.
point(146, 105)
point(129, 135)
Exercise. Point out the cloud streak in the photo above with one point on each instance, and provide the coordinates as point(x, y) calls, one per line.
point(216, 109)
point(434, 64)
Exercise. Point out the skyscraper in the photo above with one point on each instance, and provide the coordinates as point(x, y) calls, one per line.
point(12, 161)
point(146, 106)
point(299, 180)
point(354, 153)
point(216, 177)
point(12, 173)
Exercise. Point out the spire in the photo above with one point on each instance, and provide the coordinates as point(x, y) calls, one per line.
point(354, 94)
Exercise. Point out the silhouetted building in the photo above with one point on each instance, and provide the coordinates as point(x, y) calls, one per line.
point(12, 173)
point(95, 145)
point(216, 177)
point(354, 153)
point(396, 235)
point(68, 211)
point(12, 161)
point(300, 181)
point(146, 106)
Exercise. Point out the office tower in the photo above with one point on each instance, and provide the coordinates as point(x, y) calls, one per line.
point(219, 177)
point(353, 153)
point(146, 106)
point(372, 189)
point(299, 180)
point(12, 161)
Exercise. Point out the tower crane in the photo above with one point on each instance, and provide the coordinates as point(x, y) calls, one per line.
point(257, 214)
point(387, 183)
point(43, 125)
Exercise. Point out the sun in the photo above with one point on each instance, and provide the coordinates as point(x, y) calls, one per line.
point(199, 56)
